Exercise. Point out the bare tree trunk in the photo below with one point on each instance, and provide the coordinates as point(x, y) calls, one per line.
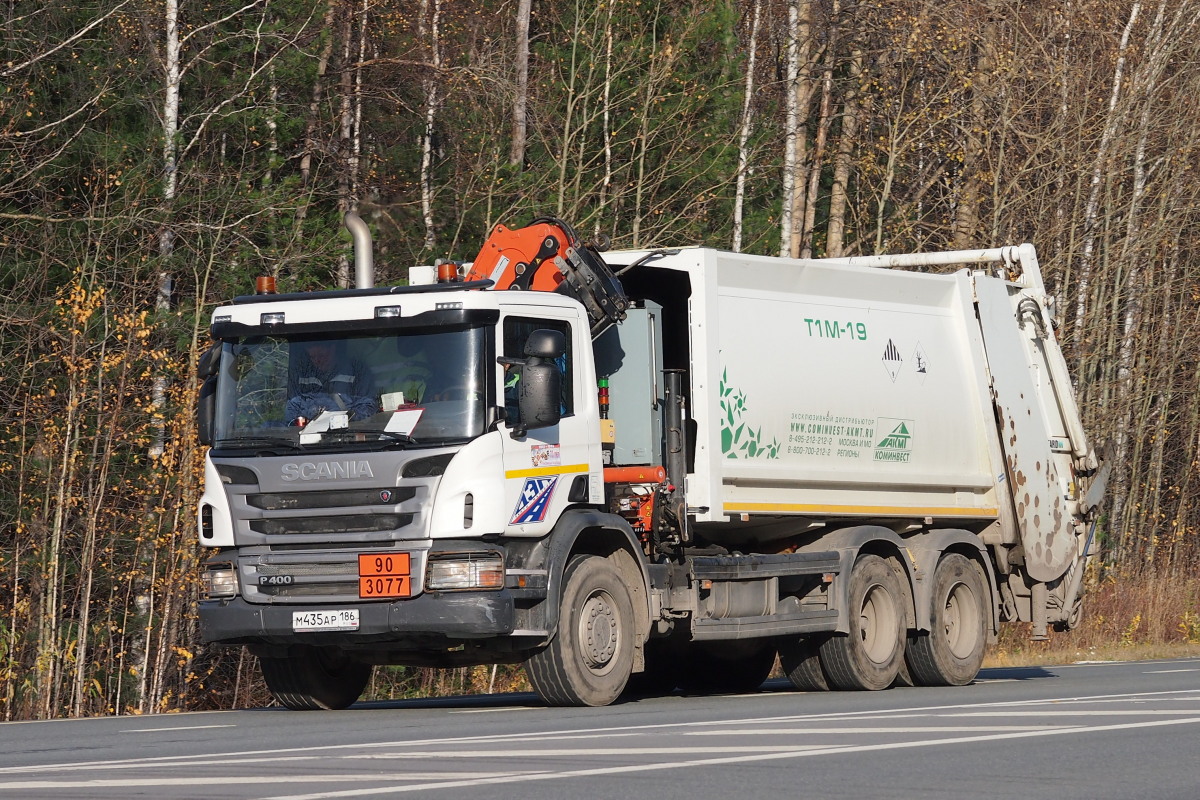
point(314, 106)
point(173, 75)
point(516, 155)
point(743, 169)
point(606, 117)
point(1091, 211)
point(839, 192)
point(799, 94)
point(357, 145)
point(975, 135)
point(314, 112)
point(431, 11)
point(1136, 256)
point(272, 131)
point(573, 100)
point(823, 122)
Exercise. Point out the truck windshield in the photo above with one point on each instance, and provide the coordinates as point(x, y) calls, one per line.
point(411, 387)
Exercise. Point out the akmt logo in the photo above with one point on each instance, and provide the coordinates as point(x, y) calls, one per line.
point(897, 445)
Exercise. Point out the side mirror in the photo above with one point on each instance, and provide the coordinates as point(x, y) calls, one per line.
point(541, 395)
point(209, 361)
point(540, 390)
point(206, 410)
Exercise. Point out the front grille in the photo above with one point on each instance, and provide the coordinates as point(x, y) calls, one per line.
point(318, 568)
point(325, 577)
point(337, 498)
point(346, 523)
point(310, 590)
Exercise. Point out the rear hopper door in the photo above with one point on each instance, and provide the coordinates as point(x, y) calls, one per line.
point(1031, 431)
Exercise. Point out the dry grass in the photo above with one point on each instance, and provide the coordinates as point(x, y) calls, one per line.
point(1131, 617)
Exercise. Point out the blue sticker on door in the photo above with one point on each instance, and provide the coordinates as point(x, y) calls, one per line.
point(534, 500)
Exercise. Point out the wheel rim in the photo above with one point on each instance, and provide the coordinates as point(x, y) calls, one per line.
point(961, 621)
point(599, 632)
point(877, 624)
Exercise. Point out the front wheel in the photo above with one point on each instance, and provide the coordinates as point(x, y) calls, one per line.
point(952, 652)
point(869, 655)
point(315, 678)
point(589, 661)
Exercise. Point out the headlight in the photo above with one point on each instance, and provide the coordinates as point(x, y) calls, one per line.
point(218, 581)
point(459, 571)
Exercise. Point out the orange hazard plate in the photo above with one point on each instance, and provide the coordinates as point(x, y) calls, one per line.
point(385, 586)
point(382, 564)
point(384, 575)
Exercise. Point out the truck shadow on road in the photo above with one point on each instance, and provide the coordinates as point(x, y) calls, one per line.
point(1015, 673)
point(531, 700)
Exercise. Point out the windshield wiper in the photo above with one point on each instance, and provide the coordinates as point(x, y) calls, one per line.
point(396, 436)
point(372, 437)
point(263, 444)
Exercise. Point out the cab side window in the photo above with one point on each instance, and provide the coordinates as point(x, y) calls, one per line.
point(516, 331)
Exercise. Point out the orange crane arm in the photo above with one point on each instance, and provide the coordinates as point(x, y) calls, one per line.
point(547, 256)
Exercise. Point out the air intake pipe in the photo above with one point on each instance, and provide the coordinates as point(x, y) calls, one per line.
point(364, 264)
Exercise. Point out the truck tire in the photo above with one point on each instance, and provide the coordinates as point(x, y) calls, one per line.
point(726, 667)
point(951, 653)
point(588, 662)
point(801, 662)
point(315, 678)
point(869, 655)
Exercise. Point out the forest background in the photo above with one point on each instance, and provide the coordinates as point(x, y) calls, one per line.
point(156, 155)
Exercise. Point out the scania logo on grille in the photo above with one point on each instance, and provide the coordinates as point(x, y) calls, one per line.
point(385, 496)
point(326, 470)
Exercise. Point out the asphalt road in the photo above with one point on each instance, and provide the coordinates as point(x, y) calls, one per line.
point(1086, 732)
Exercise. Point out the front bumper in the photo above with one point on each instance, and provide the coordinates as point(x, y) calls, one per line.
point(449, 617)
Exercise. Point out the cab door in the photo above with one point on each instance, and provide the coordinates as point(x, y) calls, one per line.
point(548, 468)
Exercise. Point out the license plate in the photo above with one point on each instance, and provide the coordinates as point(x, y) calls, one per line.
point(339, 619)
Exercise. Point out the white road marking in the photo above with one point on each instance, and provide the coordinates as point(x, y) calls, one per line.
point(181, 728)
point(358, 747)
point(918, 729)
point(528, 753)
point(456, 784)
point(120, 783)
point(1169, 671)
point(1074, 712)
point(494, 710)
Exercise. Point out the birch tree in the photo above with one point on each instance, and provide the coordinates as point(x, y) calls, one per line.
point(747, 123)
point(516, 155)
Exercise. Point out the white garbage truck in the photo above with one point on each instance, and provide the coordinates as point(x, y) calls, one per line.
point(643, 471)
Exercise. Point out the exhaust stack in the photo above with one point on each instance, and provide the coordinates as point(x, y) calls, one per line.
point(364, 264)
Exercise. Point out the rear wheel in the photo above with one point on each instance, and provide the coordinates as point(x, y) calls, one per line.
point(314, 678)
point(869, 655)
point(588, 662)
point(726, 667)
point(801, 662)
point(952, 652)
